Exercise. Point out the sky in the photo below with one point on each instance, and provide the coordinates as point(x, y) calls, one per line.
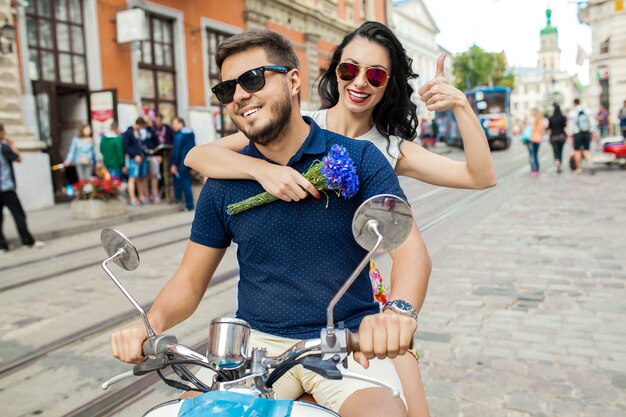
point(512, 26)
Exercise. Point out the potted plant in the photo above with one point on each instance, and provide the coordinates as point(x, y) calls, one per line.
point(97, 198)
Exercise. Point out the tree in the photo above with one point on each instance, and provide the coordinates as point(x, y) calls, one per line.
point(477, 67)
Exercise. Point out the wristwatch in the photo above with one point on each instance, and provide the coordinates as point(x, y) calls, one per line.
point(401, 307)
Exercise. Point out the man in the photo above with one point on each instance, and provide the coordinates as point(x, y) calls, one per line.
point(579, 124)
point(293, 256)
point(621, 115)
point(163, 131)
point(602, 118)
point(184, 140)
point(112, 151)
point(8, 197)
point(137, 165)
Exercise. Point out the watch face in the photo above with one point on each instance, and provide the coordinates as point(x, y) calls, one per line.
point(403, 305)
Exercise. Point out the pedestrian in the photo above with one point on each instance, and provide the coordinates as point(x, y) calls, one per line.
point(622, 119)
point(184, 140)
point(426, 134)
point(579, 124)
point(112, 151)
point(82, 153)
point(150, 141)
point(556, 126)
point(164, 132)
point(367, 87)
point(137, 165)
point(602, 119)
point(537, 123)
point(8, 197)
point(293, 256)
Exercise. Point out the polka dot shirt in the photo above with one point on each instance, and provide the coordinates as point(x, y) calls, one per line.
point(293, 257)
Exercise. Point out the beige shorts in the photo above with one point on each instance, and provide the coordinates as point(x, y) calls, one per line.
point(329, 393)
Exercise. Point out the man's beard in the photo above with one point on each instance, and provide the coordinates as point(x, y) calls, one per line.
point(264, 134)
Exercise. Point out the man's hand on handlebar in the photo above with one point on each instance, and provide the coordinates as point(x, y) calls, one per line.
point(383, 335)
point(126, 345)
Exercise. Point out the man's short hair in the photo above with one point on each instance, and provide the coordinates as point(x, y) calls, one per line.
point(277, 48)
point(576, 102)
point(140, 121)
point(179, 120)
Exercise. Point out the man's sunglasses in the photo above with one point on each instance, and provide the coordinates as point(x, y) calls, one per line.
point(376, 77)
point(251, 81)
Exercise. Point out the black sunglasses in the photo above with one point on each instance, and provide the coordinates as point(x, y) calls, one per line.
point(251, 81)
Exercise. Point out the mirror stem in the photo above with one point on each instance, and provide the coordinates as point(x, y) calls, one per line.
point(120, 254)
point(372, 227)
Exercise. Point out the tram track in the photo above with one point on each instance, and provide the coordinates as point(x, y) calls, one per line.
point(55, 256)
point(24, 360)
point(114, 402)
point(88, 263)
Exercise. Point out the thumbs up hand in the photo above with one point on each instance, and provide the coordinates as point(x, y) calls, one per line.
point(438, 93)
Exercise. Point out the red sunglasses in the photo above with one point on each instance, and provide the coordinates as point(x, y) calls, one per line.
point(376, 76)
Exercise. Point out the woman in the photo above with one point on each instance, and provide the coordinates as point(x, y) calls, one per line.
point(536, 121)
point(82, 153)
point(367, 87)
point(556, 126)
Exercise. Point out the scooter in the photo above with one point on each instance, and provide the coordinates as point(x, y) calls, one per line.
point(243, 383)
point(613, 152)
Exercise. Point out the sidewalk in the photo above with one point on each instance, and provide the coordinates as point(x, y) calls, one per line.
point(57, 221)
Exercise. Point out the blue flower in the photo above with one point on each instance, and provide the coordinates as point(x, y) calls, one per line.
point(340, 173)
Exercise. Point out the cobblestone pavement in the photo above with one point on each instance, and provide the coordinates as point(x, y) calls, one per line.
point(525, 310)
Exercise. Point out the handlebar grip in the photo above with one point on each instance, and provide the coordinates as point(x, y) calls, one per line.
point(353, 342)
point(148, 348)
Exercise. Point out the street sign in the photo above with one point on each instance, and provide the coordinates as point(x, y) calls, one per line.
point(131, 25)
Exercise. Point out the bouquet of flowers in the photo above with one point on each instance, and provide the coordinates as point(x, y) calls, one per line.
point(334, 172)
point(97, 189)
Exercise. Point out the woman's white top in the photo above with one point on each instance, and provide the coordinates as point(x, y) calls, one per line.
point(391, 148)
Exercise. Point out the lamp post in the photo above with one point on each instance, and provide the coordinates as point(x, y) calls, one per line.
point(7, 36)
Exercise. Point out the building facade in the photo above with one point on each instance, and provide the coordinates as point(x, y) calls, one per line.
point(417, 30)
point(546, 83)
point(607, 61)
point(73, 63)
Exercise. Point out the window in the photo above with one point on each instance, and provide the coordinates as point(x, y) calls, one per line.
point(224, 125)
point(56, 41)
point(604, 46)
point(157, 71)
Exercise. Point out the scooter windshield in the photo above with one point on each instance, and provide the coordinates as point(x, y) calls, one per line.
point(230, 404)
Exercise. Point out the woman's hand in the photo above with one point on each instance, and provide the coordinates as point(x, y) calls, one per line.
point(284, 182)
point(438, 93)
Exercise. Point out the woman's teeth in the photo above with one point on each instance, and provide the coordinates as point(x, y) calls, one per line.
point(359, 96)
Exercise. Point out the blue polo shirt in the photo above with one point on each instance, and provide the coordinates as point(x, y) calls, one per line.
point(293, 257)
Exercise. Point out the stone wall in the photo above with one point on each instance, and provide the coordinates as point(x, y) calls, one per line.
point(33, 173)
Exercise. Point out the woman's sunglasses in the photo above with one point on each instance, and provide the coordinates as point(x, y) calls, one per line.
point(251, 81)
point(376, 77)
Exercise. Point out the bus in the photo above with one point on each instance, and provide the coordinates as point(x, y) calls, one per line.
point(492, 106)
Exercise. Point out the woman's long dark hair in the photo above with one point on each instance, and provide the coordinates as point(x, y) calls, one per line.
point(395, 114)
point(557, 116)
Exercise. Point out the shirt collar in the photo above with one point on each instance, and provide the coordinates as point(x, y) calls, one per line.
point(314, 144)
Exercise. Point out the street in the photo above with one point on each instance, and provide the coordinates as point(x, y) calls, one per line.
point(523, 317)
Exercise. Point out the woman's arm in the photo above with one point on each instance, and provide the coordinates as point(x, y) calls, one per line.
point(221, 159)
point(478, 171)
